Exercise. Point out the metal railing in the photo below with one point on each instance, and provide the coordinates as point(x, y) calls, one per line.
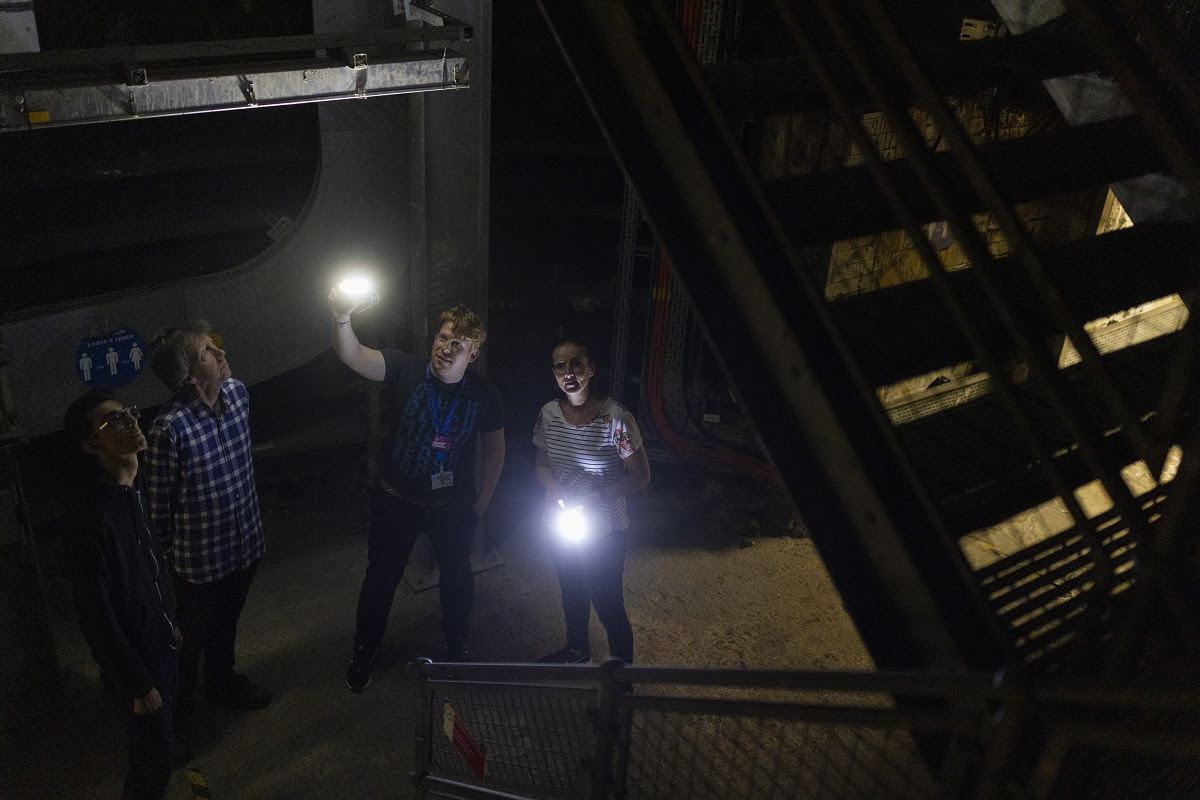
point(613, 731)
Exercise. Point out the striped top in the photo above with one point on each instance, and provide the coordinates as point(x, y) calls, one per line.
point(587, 458)
point(200, 479)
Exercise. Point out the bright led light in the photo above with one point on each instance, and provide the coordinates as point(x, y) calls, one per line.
point(356, 287)
point(355, 292)
point(571, 524)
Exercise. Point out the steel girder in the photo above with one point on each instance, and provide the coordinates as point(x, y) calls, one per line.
point(78, 87)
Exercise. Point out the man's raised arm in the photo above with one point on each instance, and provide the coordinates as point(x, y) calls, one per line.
point(364, 360)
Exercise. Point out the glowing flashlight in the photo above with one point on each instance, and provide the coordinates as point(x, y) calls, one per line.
point(360, 290)
point(571, 523)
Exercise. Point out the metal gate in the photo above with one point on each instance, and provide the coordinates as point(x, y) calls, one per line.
point(612, 731)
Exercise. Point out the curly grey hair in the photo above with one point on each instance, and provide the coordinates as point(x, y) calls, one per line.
point(173, 353)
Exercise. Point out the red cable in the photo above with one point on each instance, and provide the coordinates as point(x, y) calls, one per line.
point(661, 295)
point(688, 17)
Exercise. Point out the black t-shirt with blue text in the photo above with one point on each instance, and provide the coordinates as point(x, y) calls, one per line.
point(411, 461)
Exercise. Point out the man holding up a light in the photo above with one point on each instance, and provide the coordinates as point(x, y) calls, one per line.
point(427, 483)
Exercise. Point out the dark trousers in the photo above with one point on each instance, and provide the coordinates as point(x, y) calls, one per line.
point(208, 618)
point(395, 526)
point(150, 737)
point(590, 576)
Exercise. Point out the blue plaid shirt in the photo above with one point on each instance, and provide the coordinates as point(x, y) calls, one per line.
point(200, 479)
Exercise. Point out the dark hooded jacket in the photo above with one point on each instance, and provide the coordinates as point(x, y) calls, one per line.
point(119, 581)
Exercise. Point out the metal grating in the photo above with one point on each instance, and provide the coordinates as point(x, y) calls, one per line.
point(676, 754)
point(710, 31)
point(765, 735)
point(534, 738)
point(1051, 593)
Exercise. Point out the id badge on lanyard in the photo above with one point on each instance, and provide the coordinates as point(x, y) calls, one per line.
point(441, 443)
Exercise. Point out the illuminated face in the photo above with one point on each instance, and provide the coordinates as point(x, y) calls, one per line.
point(572, 368)
point(450, 355)
point(116, 430)
point(209, 367)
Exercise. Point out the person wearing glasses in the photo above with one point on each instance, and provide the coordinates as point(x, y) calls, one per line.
point(439, 408)
point(118, 579)
point(589, 458)
point(204, 503)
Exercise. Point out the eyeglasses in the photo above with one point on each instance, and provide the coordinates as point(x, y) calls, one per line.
point(127, 417)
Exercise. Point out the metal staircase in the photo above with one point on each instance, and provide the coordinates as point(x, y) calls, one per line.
point(973, 372)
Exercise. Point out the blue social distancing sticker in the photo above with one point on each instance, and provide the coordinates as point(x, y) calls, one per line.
point(112, 360)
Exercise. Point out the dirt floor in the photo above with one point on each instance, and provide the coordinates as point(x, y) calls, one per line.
point(702, 588)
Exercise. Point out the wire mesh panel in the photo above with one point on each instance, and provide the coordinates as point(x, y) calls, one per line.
point(677, 753)
point(532, 739)
point(707, 734)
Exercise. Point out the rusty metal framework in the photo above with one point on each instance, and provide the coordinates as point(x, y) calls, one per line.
point(982, 425)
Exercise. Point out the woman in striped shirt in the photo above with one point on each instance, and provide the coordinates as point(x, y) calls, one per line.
point(589, 454)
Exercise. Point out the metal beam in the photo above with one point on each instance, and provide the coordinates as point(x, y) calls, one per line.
point(31, 104)
point(999, 500)
point(896, 570)
point(1100, 275)
point(814, 207)
point(756, 88)
point(963, 441)
point(243, 50)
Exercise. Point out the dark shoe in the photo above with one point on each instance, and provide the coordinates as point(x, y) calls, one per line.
point(358, 674)
point(566, 656)
point(241, 693)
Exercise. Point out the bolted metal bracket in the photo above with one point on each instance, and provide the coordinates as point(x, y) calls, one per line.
point(358, 63)
point(351, 58)
point(12, 112)
point(423, 11)
point(135, 76)
point(457, 76)
point(360, 74)
point(247, 86)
